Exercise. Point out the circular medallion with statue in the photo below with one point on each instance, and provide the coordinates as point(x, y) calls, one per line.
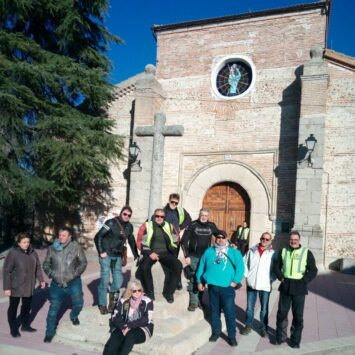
point(233, 77)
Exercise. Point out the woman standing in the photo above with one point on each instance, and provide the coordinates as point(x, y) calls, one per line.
point(131, 321)
point(20, 271)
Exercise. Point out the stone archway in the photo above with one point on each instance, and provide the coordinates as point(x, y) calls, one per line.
point(239, 173)
point(229, 205)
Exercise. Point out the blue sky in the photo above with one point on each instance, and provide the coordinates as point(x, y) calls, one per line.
point(132, 21)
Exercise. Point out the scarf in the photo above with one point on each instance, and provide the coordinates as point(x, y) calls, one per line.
point(221, 254)
point(59, 247)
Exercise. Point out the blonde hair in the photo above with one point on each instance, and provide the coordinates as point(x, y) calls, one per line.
point(134, 284)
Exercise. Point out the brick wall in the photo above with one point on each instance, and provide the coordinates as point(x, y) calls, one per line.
point(339, 163)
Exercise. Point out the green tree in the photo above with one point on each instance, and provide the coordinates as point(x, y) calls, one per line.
point(56, 140)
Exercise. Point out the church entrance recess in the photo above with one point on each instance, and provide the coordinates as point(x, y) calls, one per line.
point(229, 206)
point(241, 174)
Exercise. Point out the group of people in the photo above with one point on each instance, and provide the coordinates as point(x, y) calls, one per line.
point(212, 261)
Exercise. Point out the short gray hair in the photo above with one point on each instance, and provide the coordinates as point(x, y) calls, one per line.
point(204, 210)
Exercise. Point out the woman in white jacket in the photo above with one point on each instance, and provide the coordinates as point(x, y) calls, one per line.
point(258, 274)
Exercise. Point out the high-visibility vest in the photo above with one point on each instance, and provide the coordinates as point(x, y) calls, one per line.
point(243, 233)
point(294, 262)
point(166, 229)
point(181, 214)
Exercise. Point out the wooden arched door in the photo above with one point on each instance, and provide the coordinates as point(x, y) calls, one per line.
point(229, 206)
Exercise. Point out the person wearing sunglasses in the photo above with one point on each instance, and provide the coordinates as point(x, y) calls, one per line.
point(222, 268)
point(196, 239)
point(295, 267)
point(131, 321)
point(180, 218)
point(110, 243)
point(258, 263)
point(157, 240)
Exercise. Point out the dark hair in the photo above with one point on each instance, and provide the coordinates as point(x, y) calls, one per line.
point(295, 233)
point(65, 229)
point(21, 236)
point(126, 208)
point(175, 195)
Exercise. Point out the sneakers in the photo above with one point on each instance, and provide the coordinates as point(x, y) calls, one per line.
point(103, 310)
point(213, 338)
point(192, 307)
point(27, 328)
point(278, 342)
point(75, 321)
point(294, 345)
point(232, 341)
point(48, 338)
point(246, 330)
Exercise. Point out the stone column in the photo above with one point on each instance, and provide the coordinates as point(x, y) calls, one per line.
point(310, 174)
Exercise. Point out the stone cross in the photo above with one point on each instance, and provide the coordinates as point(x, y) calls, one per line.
point(158, 131)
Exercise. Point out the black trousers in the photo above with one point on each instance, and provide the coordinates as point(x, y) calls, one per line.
point(297, 304)
point(118, 344)
point(24, 313)
point(172, 268)
point(177, 257)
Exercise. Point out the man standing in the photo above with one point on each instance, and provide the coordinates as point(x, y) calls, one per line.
point(241, 237)
point(258, 264)
point(180, 218)
point(64, 263)
point(110, 243)
point(157, 240)
point(295, 267)
point(196, 239)
point(222, 268)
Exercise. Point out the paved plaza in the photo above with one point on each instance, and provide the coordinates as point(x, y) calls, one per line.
point(329, 321)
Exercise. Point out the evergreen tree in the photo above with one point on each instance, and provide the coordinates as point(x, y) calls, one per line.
point(56, 141)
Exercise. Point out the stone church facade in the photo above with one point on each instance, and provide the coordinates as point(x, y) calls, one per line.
point(243, 152)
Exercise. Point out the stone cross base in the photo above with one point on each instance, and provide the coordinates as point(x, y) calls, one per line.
point(176, 330)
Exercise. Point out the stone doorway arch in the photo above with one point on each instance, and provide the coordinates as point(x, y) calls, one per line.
point(239, 173)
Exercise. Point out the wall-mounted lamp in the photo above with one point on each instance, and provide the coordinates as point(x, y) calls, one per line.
point(310, 143)
point(134, 151)
point(305, 152)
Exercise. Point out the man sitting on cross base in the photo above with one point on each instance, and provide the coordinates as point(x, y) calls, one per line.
point(157, 240)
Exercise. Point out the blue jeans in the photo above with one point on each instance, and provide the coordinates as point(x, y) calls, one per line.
point(106, 265)
point(222, 298)
point(57, 295)
point(264, 307)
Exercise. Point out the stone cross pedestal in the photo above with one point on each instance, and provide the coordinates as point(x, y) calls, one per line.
point(158, 131)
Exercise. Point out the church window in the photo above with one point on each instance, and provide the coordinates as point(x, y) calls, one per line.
point(232, 77)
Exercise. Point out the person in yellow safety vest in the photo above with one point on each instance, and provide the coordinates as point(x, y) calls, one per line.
point(180, 218)
point(157, 240)
point(240, 238)
point(295, 267)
